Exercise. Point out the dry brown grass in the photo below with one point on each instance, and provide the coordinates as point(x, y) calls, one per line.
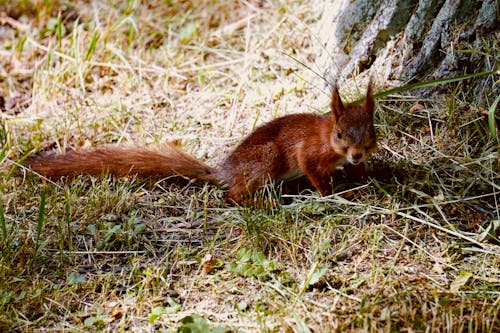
point(404, 253)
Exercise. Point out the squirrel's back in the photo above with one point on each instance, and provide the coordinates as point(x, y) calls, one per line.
point(271, 148)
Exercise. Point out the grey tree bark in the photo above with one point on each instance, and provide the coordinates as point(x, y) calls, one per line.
point(407, 41)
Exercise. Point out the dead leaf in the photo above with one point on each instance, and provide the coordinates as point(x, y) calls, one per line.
point(208, 264)
point(117, 312)
point(416, 107)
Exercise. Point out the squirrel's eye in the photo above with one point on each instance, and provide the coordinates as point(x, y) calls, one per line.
point(339, 135)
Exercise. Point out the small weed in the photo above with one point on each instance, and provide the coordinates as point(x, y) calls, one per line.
point(252, 264)
point(158, 311)
point(97, 321)
point(195, 323)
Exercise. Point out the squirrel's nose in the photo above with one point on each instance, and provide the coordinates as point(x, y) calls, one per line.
point(357, 156)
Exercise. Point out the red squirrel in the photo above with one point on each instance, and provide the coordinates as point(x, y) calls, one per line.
point(297, 144)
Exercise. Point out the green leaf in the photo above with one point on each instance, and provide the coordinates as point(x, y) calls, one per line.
point(96, 320)
point(161, 310)
point(139, 228)
point(116, 229)
point(92, 229)
point(317, 275)
point(252, 264)
point(219, 329)
point(258, 257)
point(188, 32)
point(75, 279)
point(196, 324)
point(156, 313)
point(242, 306)
point(460, 281)
point(52, 24)
point(244, 254)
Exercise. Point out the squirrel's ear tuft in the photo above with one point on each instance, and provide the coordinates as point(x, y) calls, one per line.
point(369, 104)
point(337, 108)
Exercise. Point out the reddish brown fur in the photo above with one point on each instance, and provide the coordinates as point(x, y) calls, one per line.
point(307, 144)
point(121, 161)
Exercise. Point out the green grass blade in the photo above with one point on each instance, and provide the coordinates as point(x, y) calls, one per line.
point(427, 84)
point(130, 35)
point(92, 45)
point(3, 153)
point(41, 214)
point(491, 118)
point(59, 31)
point(469, 51)
point(3, 223)
point(67, 212)
point(20, 46)
point(432, 83)
point(16, 165)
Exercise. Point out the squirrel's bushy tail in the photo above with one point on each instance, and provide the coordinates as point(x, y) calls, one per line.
point(123, 161)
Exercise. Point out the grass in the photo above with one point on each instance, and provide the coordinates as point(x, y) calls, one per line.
point(416, 251)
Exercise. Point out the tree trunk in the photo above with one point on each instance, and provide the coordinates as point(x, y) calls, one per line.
point(405, 41)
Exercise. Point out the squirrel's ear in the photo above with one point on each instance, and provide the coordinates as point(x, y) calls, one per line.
point(337, 108)
point(369, 104)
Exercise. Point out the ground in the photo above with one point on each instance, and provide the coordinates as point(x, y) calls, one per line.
point(414, 248)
